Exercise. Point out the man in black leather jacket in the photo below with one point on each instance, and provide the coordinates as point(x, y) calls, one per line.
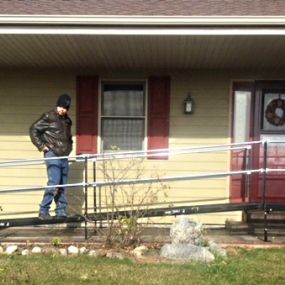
point(51, 134)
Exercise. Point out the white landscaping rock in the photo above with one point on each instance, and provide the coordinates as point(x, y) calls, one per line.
point(1, 250)
point(216, 249)
point(140, 251)
point(82, 250)
point(36, 250)
point(11, 249)
point(62, 251)
point(72, 250)
point(25, 252)
point(92, 253)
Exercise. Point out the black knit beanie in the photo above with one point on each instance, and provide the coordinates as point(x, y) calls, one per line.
point(64, 101)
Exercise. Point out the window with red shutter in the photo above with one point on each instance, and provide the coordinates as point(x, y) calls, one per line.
point(123, 115)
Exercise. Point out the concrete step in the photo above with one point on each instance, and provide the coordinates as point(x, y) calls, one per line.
point(274, 216)
point(257, 228)
point(234, 227)
point(258, 231)
point(275, 223)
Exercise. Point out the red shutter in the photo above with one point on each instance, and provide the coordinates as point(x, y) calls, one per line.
point(158, 113)
point(87, 114)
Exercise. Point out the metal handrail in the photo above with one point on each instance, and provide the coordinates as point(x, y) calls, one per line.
point(132, 154)
point(234, 146)
point(135, 181)
point(136, 154)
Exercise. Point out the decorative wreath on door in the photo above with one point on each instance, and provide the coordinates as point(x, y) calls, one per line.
point(271, 112)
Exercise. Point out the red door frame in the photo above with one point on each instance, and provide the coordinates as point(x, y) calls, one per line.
point(236, 183)
point(274, 181)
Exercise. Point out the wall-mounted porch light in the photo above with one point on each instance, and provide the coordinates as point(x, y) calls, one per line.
point(188, 104)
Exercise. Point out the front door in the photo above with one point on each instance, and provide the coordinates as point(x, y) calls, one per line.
point(269, 123)
point(259, 113)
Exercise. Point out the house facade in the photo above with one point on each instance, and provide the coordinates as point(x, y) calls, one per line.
point(129, 66)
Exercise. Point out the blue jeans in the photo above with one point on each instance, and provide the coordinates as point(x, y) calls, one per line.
point(57, 171)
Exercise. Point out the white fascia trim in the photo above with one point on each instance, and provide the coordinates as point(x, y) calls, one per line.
point(141, 20)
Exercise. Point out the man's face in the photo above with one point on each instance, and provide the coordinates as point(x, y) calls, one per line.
point(61, 111)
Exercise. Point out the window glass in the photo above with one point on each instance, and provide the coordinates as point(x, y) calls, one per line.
point(242, 115)
point(123, 100)
point(123, 116)
point(125, 134)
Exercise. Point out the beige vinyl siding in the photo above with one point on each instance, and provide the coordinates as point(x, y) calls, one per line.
point(209, 124)
point(26, 94)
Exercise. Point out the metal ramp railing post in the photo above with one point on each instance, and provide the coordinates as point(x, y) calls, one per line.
point(94, 192)
point(100, 206)
point(264, 205)
point(85, 196)
point(244, 188)
point(250, 178)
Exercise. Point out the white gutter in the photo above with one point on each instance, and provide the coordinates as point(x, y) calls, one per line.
point(140, 25)
point(142, 31)
point(142, 20)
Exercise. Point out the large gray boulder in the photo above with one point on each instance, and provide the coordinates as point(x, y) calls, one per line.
point(185, 231)
point(188, 242)
point(187, 252)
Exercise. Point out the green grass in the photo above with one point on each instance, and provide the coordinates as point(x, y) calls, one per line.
point(245, 267)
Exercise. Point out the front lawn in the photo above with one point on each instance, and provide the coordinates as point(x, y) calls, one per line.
point(259, 266)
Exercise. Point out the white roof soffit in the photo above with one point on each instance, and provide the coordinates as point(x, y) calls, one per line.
point(141, 25)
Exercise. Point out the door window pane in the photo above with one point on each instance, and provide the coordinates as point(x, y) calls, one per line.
point(273, 111)
point(242, 116)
